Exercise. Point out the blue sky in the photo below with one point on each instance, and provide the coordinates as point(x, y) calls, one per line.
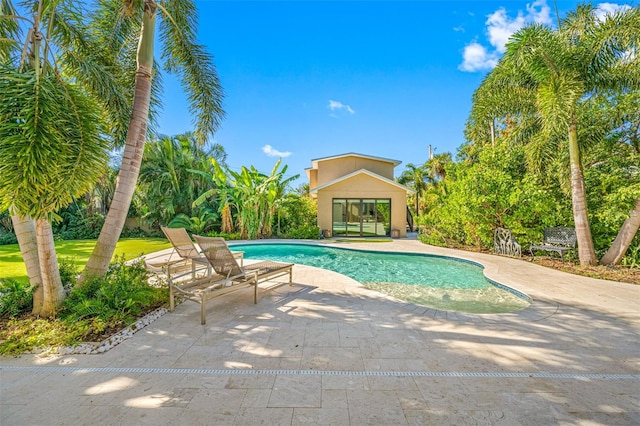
point(310, 79)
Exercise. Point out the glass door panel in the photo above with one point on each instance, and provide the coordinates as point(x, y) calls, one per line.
point(339, 217)
point(368, 218)
point(354, 211)
point(383, 217)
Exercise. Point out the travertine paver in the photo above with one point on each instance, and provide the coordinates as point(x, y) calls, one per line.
point(329, 351)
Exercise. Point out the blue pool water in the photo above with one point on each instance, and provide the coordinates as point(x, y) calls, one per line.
point(435, 281)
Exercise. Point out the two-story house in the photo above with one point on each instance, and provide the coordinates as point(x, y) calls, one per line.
point(357, 196)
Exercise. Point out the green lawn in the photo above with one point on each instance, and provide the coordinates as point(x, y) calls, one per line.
point(12, 266)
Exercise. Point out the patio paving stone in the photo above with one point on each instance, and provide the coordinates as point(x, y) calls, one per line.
point(329, 351)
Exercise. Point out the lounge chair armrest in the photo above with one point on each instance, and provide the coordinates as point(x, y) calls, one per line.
point(189, 273)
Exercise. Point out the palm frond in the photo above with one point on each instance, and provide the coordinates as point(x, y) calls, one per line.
point(194, 66)
point(51, 143)
point(10, 31)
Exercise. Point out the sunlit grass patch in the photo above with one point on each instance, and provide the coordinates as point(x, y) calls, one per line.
point(78, 251)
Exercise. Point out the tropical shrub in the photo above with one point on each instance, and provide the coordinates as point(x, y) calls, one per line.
point(109, 302)
point(304, 232)
point(255, 196)
point(15, 298)
point(7, 237)
point(68, 272)
point(494, 190)
point(200, 224)
point(226, 235)
point(77, 223)
point(297, 218)
point(174, 172)
point(117, 298)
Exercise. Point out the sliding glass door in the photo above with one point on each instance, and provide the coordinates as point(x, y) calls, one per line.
point(360, 217)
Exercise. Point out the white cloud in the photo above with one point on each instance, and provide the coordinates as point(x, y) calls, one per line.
point(271, 152)
point(540, 12)
point(500, 27)
point(339, 106)
point(476, 58)
point(605, 9)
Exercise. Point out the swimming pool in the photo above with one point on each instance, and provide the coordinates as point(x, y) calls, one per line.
point(435, 281)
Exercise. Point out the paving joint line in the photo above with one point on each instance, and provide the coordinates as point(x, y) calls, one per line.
point(572, 376)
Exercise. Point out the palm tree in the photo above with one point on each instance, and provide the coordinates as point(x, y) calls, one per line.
point(303, 189)
point(182, 55)
point(544, 78)
point(51, 139)
point(625, 236)
point(437, 165)
point(625, 110)
point(417, 177)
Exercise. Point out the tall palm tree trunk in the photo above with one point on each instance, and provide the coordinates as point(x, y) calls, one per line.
point(586, 251)
point(132, 157)
point(52, 290)
point(619, 247)
point(25, 229)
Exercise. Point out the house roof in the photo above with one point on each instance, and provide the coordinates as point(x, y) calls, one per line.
point(359, 172)
point(314, 162)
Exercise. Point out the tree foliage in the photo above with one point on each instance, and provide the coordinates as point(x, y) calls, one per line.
point(169, 184)
point(297, 218)
point(543, 90)
point(254, 196)
point(51, 144)
point(493, 191)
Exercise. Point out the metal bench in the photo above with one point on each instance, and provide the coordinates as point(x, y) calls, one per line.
point(560, 239)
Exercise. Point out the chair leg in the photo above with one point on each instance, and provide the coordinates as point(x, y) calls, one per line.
point(203, 310)
point(172, 303)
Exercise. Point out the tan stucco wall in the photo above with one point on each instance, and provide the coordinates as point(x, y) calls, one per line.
point(363, 186)
point(332, 169)
point(313, 177)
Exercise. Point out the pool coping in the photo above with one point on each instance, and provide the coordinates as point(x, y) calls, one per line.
point(496, 269)
point(495, 283)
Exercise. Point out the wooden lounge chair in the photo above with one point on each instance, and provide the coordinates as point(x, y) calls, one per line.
point(184, 254)
point(227, 276)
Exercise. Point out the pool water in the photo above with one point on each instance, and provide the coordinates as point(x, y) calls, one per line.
point(433, 281)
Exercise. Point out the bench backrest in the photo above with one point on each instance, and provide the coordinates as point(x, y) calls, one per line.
point(560, 236)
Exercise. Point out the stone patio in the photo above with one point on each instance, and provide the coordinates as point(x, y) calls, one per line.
point(329, 351)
